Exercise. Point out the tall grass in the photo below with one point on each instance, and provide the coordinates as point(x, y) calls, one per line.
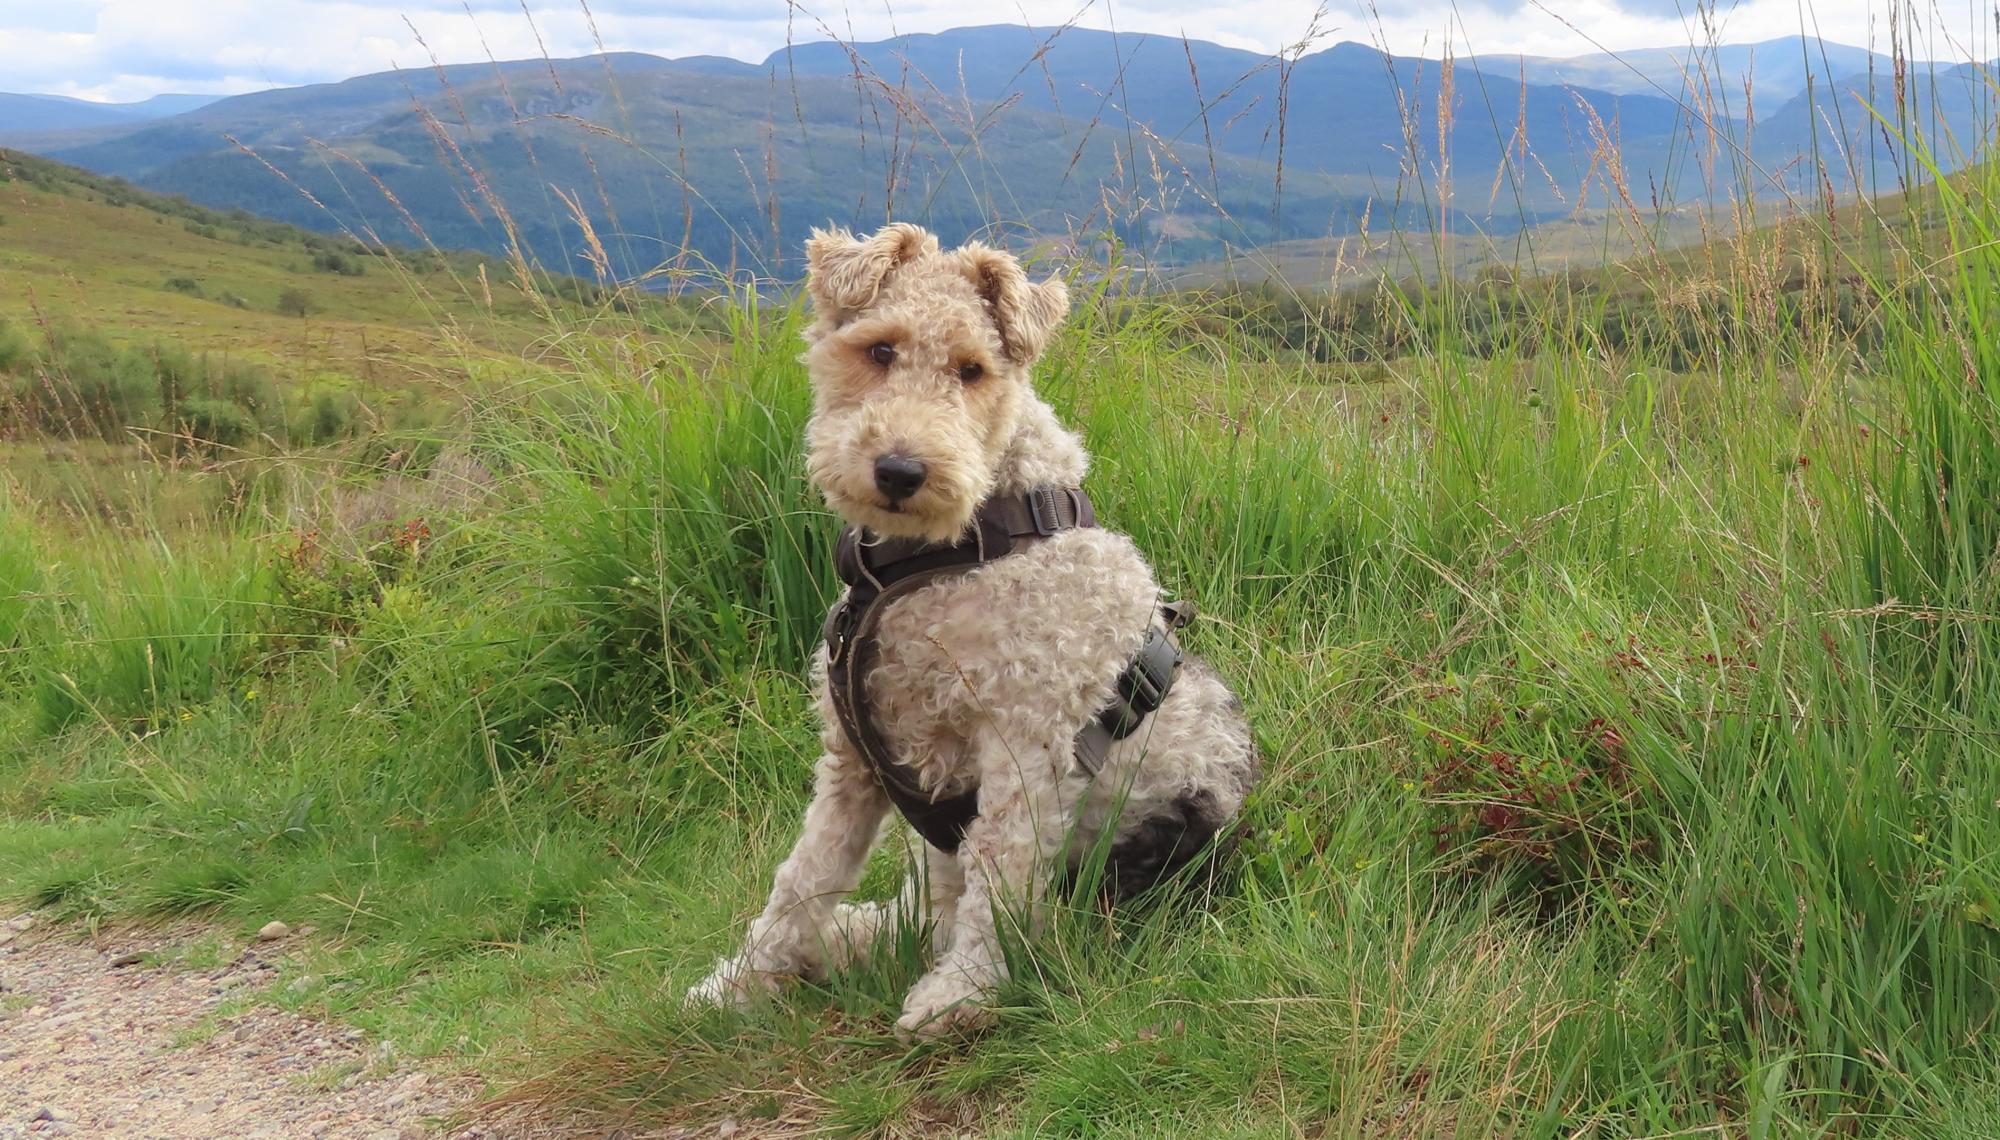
point(1629, 699)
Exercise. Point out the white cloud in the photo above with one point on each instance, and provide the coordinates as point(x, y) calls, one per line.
point(129, 49)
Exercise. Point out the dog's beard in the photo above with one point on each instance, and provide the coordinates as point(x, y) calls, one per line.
point(956, 482)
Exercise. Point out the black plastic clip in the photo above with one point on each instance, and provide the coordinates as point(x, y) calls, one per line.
point(839, 627)
point(1042, 505)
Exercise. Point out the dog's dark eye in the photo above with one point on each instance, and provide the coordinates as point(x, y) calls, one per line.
point(970, 371)
point(883, 354)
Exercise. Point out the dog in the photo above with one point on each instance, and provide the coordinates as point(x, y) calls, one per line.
point(1021, 705)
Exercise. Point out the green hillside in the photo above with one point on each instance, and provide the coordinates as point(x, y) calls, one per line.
point(159, 358)
point(81, 250)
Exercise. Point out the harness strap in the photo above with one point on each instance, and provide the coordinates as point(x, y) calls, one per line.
point(850, 655)
point(1142, 689)
point(877, 571)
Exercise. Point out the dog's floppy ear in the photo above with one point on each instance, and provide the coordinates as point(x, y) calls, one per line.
point(844, 273)
point(1024, 312)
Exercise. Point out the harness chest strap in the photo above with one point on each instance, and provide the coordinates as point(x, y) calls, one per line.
point(878, 572)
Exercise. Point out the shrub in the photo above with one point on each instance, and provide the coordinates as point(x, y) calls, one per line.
point(187, 285)
point(324, 591)
point(249, 386)
point(16, 354)
point(88, 386)
point(209, 424)
point(333, 261)
point(329, 415)
point(295, 302)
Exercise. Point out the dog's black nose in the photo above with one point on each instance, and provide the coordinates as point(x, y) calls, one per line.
point(899, 476)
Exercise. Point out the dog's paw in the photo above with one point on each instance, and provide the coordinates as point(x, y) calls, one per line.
point(944, 1006)
point(732, 986)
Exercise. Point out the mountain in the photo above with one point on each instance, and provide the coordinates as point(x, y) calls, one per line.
point(1181, 148)
point(1774, 70)
point(24, 113)
point(483, 156)
point(1873, 141)
point(1349, 110)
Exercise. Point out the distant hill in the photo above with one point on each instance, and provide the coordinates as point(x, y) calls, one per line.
point(1773, 71)
point(1181, 149)
point(23, 113)
point(1349, 110)
point(764, 160)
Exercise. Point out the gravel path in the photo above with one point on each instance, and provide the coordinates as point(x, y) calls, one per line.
point(149, 1035)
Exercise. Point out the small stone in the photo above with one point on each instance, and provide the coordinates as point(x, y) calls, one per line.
point(43, 1113)
point(308, 930)
point(415, 1081)
point(128, 958)
point(272, 931)
point(726, 1126)
point(301, 984)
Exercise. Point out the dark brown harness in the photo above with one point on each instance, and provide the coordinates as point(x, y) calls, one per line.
point(878, 571)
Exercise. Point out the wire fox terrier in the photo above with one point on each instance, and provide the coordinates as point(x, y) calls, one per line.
point(1000, 671)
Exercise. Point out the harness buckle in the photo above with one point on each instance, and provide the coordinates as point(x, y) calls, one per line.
point(1042, 505)
point(839, 626)
point(1148, 688)
point(1151, 673)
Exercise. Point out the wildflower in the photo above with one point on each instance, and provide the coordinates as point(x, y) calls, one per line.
point(250, 694)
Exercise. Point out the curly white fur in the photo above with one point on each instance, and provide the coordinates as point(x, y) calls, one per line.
point(982, 679)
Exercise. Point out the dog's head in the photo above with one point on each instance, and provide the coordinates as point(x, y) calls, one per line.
point(919, 363)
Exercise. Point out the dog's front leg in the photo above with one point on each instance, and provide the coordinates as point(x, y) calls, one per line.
point(929, 900)
point(797, 932)
point(1007, 859)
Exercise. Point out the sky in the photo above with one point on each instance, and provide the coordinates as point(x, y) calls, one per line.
point(118, 50)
